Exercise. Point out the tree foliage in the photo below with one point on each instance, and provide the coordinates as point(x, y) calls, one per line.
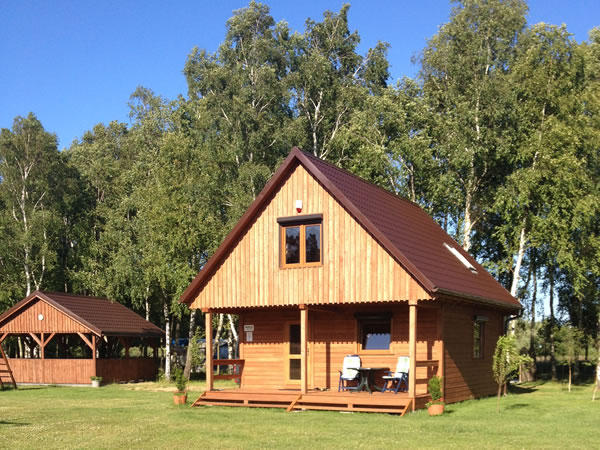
point(497, 138)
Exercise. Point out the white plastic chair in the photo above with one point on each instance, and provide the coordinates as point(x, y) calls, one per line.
point(398, 377)
point(349, 373)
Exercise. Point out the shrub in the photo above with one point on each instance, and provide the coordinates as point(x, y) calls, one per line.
point(180, 380)
point(434, 387)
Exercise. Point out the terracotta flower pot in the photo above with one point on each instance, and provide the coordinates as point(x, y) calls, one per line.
point(436, 410)
point(180, 398)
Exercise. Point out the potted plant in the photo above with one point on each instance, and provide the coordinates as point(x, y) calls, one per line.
point(435, 407)
point(180, 397)
point(96, 381)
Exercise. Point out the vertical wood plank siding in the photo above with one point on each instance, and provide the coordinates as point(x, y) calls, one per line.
point(132, 369)
point(467, 377)
point(356, 269)
point(54, 321)
point(332, 336)
point(79, 371)
point(52, 371)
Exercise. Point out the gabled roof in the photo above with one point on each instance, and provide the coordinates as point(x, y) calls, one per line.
point(99, 315)
point(401, 227)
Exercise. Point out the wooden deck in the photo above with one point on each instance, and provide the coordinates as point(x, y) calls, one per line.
point(291, 399)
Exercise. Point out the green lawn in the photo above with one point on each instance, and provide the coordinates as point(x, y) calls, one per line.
point(143, 416)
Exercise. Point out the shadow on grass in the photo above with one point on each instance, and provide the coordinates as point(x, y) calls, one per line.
point(517, 406)
point(16, 424)
point(522, 389)
point(23, 388)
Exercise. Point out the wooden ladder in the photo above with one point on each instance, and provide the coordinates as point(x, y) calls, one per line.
point(5, 369)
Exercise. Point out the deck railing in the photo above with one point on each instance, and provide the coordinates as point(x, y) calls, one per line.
point(238, 366)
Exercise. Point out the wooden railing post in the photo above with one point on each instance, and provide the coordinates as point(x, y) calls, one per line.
point(412, 350)
point(94, 363)
point(303, 349)
point(209, 355)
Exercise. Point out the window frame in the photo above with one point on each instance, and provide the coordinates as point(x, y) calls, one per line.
point(478, 352)
point(361, 319)
point(301, 222)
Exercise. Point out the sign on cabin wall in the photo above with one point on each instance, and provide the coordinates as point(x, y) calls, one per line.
point(248, 327)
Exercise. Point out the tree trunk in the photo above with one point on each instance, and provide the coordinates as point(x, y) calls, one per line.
point(147, 304)
point(468, 224)
point(234, 332)
point(517, 270)
point(597, 384)
point(230, 348)
point(552, 346)
point(514, 289)
point(531, 369)
point(187, 370)
point(217, 342)
point(498, 400)
point(167, 317)
point(569, 377)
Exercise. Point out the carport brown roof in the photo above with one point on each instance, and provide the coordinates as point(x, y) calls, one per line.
point(99, 315)
point(407, 232)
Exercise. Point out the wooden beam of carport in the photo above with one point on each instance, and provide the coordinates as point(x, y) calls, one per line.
point(86, 340)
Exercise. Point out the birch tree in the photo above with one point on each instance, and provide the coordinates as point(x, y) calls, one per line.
point(329, 80)
point(464, 74)
point(30, 176)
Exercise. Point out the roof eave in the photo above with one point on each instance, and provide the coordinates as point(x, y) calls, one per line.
point(484, 300)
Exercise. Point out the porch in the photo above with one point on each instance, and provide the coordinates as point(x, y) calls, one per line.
point(290, 357)
point(294, 399)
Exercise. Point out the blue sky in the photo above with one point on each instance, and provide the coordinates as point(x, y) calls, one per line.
point(75, 63)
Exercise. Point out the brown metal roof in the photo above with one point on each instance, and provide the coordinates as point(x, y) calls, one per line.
point(99, 315)
point(407, 232)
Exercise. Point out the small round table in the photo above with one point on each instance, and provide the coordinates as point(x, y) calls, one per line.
point(367, 378)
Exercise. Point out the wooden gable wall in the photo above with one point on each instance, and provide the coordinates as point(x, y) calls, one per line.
point(356, 269)
point(54, 321)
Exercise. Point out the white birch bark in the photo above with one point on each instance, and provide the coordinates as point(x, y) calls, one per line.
point(167, 317)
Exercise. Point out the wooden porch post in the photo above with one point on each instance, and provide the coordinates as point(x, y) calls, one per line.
point(304, 348)
point(412, 350)
point(94, 365)
point(209, 356)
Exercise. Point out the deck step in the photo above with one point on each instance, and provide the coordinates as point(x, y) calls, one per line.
point(312, 401)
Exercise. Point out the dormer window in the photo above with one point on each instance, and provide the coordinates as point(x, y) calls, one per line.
point(301, 239)
point(461, 258)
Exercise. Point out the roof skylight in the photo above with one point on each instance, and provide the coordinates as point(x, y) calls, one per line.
point(461, 258)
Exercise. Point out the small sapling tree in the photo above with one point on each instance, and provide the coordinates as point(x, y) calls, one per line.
point(569, 347)
point(195, 352)
point(506, 360)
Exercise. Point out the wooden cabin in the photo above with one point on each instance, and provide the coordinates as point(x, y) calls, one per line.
point(324, 264)
point(66, 339)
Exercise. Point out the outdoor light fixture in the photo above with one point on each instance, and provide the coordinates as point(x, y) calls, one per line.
point(40, 317)
point(299, 206)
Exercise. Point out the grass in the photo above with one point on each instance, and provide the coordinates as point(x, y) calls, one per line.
point(143, 416)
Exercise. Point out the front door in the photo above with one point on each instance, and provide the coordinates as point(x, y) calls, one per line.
point(294, 364)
